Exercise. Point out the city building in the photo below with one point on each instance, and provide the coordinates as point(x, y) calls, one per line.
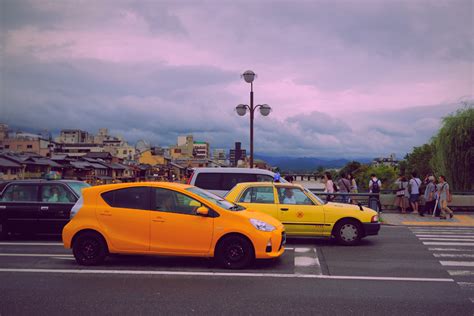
point(237, 154)
point(200, 150)
point(184, 147)
point(386, 161)
point(74, 136)
point(24, 142)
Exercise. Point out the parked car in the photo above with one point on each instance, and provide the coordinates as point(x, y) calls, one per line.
point(37, 206)
point(165, 218)
point(222, 180)
point(304, 214)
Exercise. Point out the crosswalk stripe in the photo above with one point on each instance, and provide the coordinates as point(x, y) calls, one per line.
point(450, 249)
point(457, 263)
point(460, 272)
point(451, 255)
point(442, 232)
point(447, 239)
point(466, 284)
point(445, 236)
point(439, 243)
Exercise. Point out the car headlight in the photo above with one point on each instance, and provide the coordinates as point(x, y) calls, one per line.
point(375, 219)
point(261, 225)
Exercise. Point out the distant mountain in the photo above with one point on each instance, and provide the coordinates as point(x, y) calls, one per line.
point(307, 164)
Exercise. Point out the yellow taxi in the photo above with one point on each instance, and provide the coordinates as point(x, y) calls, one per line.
point(304, 214)
point(168, 219)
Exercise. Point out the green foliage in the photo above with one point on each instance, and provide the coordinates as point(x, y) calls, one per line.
point(418, 160)
point(453, 149)
point(350, 167)
point(386, 174)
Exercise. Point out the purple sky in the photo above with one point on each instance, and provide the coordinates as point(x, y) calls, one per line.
point(344, 78)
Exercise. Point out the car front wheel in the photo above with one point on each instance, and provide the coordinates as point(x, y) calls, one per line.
point(348, 232)
point(234, 252)
point(89, 249)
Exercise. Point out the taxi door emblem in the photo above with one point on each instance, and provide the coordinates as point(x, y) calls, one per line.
point(299, 214)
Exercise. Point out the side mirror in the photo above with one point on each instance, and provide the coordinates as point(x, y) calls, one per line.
point(202, 211)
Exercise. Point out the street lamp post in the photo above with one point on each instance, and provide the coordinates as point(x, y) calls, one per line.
point(241, 109)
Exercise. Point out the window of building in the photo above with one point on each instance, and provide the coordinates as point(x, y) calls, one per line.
point(175, 202)
point(7, 146)
point(135, 198)
point(29, 146)
point(258, 195)
point(21, 193)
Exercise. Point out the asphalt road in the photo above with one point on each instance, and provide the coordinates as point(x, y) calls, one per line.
point(401, 271)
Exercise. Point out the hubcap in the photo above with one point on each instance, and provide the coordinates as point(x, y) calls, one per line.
point(235, 253)
point(349, 232)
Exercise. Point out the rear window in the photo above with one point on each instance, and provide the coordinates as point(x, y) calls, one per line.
point(135, 198)
point(225, 181)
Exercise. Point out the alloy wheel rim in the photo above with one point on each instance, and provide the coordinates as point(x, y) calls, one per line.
point(89, 249)
point(235, 253)
point(348, 232)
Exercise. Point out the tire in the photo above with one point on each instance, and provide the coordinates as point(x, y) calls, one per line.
point(348, 232)
point(89, 249)
point(234, 252)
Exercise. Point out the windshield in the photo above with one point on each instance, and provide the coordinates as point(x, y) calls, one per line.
point(215, 199)
point(314, 196)
point(78, 186)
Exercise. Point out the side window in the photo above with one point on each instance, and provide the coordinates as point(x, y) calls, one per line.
point(175, 202)
point(56, 193)
point(208, 181)
point(293, 196)
point(264, 178)
point(229, 180)
point(258, 195)
point(135, 198)
point(21, 193)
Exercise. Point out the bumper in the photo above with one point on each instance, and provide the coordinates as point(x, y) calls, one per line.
point(277, 240)
point(371, 228)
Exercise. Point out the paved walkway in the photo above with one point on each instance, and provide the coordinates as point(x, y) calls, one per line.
point(416, 220)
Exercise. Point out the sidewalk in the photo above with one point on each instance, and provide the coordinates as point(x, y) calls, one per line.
point(461, 219)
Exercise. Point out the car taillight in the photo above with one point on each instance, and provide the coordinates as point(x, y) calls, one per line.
point(190, 177)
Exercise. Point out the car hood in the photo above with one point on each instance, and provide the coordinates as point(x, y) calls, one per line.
point(249, 213)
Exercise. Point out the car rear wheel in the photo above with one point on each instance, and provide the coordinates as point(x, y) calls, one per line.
point(89, 249)
point(234, 252)
point(348, 232)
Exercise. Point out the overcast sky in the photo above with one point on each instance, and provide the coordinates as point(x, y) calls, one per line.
point(345, 79)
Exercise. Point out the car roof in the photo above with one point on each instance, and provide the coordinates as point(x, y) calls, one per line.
point(40, 181)
point(115, 186)
point(234, 170)
point(277, 184)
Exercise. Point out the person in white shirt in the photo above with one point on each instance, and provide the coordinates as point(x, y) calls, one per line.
point(289, 197)
point(374, 187)
point(329, 186)
point(414, 185)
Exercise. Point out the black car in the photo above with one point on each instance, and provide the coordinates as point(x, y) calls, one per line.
point(37, 206)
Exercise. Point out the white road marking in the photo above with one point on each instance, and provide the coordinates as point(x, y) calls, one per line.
point(445, 236)
point(461, 272)
point(451, 255)
point(447, 239)
point(466, 284)
point(436, 243)
point(59, 258)
point(300, 250)
point(472, 299)
point(228, 274)
point(445, 233)
point(31, 244)
point(439, 228)
point(305, 261)
point(32, 255)
point(450, 249)
point(457, 263)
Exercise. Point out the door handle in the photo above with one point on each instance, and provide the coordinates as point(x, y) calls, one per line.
point(44, 208)
point(158, 219)
point(106, 214)
point(284, 209)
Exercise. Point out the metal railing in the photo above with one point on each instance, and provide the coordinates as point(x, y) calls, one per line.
point(366, 199)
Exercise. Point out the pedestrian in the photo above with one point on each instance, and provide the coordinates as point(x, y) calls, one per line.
point(444, 196)
point(430, 196)
point(401, 199)
point(414, 185)
point(329, 186)
point(374, 187)
point(353, 187)
point(344, 187)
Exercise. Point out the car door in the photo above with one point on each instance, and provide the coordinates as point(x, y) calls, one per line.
point(19, 208)
point(124, 215)
point(56, 202)
point(175, 227)
point(298, 212)
point(260, 198)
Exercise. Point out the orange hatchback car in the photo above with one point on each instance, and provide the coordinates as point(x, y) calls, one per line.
point(168, 219)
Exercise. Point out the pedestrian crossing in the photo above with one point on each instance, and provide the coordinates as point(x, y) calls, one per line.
point(453, 247)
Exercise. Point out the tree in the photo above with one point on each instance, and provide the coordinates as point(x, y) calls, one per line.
point(453, 149)
point(419, 160)
point(350, 167)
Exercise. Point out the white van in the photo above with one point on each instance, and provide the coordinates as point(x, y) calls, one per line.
point(222, 180)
